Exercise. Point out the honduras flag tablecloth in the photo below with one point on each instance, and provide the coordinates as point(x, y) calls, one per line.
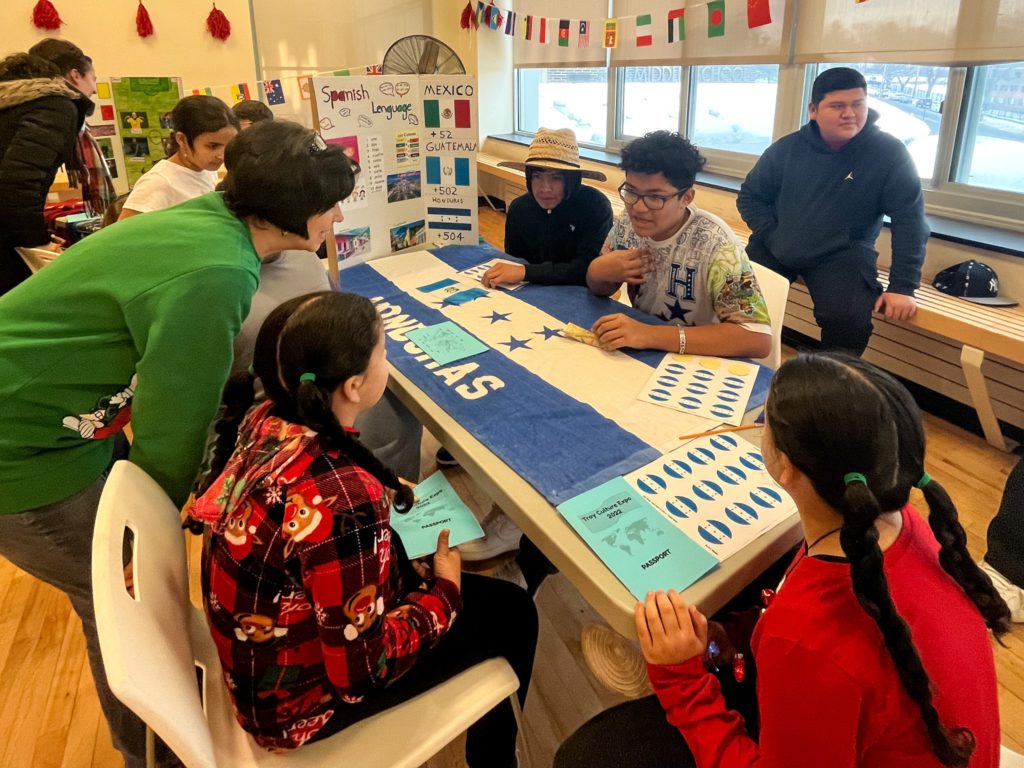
point(562, 414)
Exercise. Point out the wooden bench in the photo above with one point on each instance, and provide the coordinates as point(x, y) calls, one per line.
point(947, 338)
point(950, 339)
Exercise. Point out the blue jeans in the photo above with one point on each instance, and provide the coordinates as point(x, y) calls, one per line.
point(54, 544)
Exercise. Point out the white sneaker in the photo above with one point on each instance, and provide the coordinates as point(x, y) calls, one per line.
point(501, 535)
point(1010, 592)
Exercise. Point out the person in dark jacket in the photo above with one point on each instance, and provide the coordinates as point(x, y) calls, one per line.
point(42, 110)
point(1004, 560)
point(559, 226)
point(814, 203)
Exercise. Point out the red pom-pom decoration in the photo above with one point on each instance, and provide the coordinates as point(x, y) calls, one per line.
point(218, 24)
point(143, 24)
point(45, 16)
point(468, 17)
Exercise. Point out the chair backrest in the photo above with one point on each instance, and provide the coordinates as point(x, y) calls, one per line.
point(775, 289)
point(145, 641)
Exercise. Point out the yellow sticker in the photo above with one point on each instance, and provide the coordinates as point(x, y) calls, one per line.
point(102, 90)
point(709, 362)
point(739, 369)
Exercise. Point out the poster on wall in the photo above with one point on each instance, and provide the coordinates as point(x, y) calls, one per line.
point(415, 140)
point(103, 127)
point(142, 113)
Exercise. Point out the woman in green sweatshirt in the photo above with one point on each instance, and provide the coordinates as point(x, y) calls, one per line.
point(137, 322)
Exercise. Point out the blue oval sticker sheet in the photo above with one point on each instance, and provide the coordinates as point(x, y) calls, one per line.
point(716, 388)
point(716, 490)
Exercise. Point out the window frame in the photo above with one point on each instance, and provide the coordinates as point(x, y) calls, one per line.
point(944, 196)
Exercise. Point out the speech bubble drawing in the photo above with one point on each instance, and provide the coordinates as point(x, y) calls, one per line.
point(401, 88)
point(345, 112)
point(388, 89)
point(413, 120)
point(326, 124)
point(365, 121)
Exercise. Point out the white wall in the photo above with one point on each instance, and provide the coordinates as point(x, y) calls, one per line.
point(181, 45)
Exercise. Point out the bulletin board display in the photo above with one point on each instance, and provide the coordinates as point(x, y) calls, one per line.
point(415, 139)
point(139, 110)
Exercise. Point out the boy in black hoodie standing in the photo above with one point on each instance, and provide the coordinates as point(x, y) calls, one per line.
point(814, 203)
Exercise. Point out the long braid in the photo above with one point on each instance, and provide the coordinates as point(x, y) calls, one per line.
point(859, 540)
point(314, 410)
point(959, 564)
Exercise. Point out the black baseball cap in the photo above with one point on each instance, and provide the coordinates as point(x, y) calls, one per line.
point(974, 281)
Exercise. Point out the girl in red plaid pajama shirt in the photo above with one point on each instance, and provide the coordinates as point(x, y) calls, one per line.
point(319, 618)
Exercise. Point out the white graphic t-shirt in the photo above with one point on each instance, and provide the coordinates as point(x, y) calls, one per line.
point(701, 274)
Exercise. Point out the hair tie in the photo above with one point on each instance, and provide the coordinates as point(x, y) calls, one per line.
point(854, 477)
point(251, 371)
point(923, 482)
point(307, 377)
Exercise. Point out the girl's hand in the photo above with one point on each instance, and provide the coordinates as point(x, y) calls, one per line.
point(447, 560)
point(424, 568)
point(670, 632)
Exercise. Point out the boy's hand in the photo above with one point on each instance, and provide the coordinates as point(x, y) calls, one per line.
point(670, 632)
point(631, 267)
point(617, 331)
point(503, 274)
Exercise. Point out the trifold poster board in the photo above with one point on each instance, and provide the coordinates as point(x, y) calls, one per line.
point(415, 139)
point(132, 122)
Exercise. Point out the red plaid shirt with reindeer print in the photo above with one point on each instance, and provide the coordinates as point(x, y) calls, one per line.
point(304, 594)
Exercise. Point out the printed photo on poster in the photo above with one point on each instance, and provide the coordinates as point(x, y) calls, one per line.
point(135, 122)
point(165, 121)
point(407, 149)
point(107, 148)
point(407, 235)
point(403, 186)
point(102, 130)
point(135, 150)
point(349, 145)
point(353, 242)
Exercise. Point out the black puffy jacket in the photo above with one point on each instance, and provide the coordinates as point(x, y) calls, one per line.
point(39, 123)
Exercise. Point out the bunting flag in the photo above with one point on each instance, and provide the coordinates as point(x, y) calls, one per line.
point(240, 91)
point(452, 113)
point(202, 91)
point(563, 33)
point(375, 69)
point(510, 23)
point(584, 38)
point(759, 13)
point(611, 33)
point(528, 28)
point(496, 18)
point(480, 6)
point(543, 38)
point(643, 30)
point(676, 25)
point(274, 92)
point(716, 18)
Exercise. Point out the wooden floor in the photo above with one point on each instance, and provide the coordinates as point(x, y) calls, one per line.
point(50, 718)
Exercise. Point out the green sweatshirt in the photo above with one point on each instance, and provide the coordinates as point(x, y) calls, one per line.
point(136, 321)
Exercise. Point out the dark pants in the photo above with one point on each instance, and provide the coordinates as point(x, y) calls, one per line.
point(13, 269)
point(844, 289)
point(497, 619)
point(1006, 531)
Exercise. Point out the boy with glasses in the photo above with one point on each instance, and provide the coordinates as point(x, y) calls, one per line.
point(679, 263)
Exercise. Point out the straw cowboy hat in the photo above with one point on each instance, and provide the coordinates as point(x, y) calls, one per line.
point(557, 151)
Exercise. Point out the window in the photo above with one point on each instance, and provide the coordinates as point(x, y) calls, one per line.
point(565, 98)
point(650, 100)
point(732, 108)
point(908, 99)
point(992, 129)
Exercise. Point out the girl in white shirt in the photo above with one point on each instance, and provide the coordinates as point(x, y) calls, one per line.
point(203, 126)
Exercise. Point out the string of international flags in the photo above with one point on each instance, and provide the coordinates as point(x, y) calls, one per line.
point(545, 30)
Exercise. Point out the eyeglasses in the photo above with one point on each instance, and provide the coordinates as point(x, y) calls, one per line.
point(317, 145)
point(652, 202)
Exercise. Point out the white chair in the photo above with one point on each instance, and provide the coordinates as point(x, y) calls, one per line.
point(1010, 759)
point(152, 645)
point(775, 289)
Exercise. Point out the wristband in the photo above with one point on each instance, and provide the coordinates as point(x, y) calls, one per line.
point(682, 340)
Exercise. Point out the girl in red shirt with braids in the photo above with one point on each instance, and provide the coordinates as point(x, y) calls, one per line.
point(875, 650)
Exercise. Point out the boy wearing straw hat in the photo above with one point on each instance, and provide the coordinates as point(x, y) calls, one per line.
point(559, 225)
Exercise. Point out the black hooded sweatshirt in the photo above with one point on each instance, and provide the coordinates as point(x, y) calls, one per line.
point(806, 203)
point(558, 244)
